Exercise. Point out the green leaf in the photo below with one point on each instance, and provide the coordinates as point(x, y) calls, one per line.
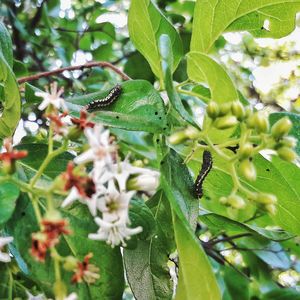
point(139, 107)
point(146, 24)
point(146, 266)
point(36, 155)
point(6, 45)
point(194, 265)
point(30, 96)
point(221, 223)
point(202, 68)
point(212, 18)
point(167, 61)
point(282, 294)
point(141, 215)
point(295, 119)
point(9, 194)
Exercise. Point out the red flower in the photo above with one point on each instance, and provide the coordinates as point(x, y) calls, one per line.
point(11, 155)
point(82, 122)
point(84, 185)
point(54, 228)
point(86, 271)
point(39, 246)
point(56, 119)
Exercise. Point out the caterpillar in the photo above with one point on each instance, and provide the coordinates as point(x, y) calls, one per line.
point(112, 96)
point(206, 167)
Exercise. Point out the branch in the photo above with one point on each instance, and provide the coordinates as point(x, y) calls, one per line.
point(102, 64)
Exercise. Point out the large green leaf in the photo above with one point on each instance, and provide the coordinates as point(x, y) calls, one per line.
point(139, 107)
point(196, 279)
point(6, 45)
point(282, 294)
point(167, 61)
point(146, 266)
point(212, 18)
point(202, 68)
point(146, 24)
point(9, 194)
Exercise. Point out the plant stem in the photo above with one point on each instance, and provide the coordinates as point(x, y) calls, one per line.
point(190, 93)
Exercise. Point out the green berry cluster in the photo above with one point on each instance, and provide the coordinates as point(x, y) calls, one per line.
point(253, 134)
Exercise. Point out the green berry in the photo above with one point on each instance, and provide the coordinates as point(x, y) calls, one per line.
point(213, 109)
point(247, 168)
point(245, 150)
point(225, 108)
point(265, 198)
point(236, 201)
point(238, 110)
point(287, 154)
point(271, 208)
point(281, 128)
point(226, 122)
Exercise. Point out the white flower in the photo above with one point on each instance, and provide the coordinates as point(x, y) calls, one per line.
point(72, 296)
point(101, 147)
point(52, 98)
point(114, 204)
point(5, 257)
point(75, 195)
point(114, 233)
point(37, 297)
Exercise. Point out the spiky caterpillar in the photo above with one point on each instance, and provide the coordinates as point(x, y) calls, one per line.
point(109, 99)
point(206, 167)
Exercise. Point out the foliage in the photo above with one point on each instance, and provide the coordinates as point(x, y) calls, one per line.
point(102, 203)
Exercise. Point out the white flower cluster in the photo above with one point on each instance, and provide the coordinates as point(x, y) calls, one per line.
point(111, 179)
point(5, 257)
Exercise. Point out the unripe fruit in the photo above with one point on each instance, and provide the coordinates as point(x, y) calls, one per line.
point(288, 141)
point(271, 208)
point(223, 200)
point(247, 168)
point(225, 108)
point(74, 133)
point(265, 198)
point(213, 109)
point(70, 263)
point(177, 137)
point(191, 132)
point(281, 128)
point(236, 201)
point(245, 150)
point(226, 122)
point(238, 110)
point(287, 154)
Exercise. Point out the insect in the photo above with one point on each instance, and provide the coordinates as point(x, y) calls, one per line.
point(109, 99)
point(206, 167)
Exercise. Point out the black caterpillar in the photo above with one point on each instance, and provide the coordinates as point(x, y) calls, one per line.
point(109, 99)
point(206, 167)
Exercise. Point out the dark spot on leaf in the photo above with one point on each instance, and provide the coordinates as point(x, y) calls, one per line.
point(165, 128)
point(23, 213)
point(160, 118)
point(117, 117)
point(156, 113)
point(162, 162)
point(157, 140)
point(268, 170)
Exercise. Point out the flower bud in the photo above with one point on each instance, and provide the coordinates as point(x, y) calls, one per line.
point(271, 208)
point(213, 109)
point(236, 201)
point(226, 122)
point(265, 198)
point(259, 121)
point(225, 108)
point(223, 200)
point(247, 168)
point(74, 133)
point(238, 110)
point(287, 154)
point(144, 182)
point(191, 132)
point(70, 263)
point(245, 150)
point(177, 137)
point(288, 141)
point(281, 128)
point(60, 290)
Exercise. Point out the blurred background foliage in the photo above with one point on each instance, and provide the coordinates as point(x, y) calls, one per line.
point(51, 34)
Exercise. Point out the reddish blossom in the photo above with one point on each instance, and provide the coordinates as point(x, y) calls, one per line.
point(54, 228)
point(84, 185)
point(39, 246)
point(86, 271)
point(56, 119)
point(82, 122)
point(11, 154)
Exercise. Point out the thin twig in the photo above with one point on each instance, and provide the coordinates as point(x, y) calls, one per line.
point(102, 64)
point(228, 238)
